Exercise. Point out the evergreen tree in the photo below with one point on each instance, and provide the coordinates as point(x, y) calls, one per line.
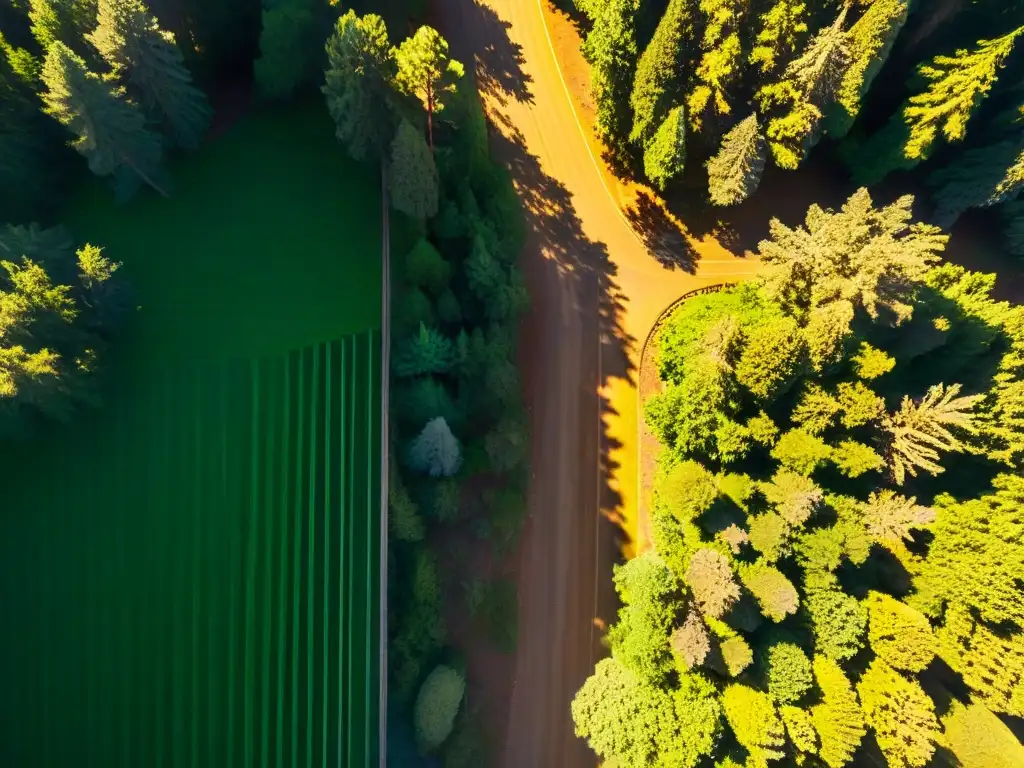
point(360, 71)
point(507, 444)
point(427, 352)
point(413, 182)
point(66, 21)
point(782, 28)
point(721, 63)
point(837, 717)
point(755, 722)
point(787, 672)
point(426, 71)
point(110, 131)
point(426, 267)
point(771, 359)
point(800, 730)
point(898, 634)
point(956, 86)
point(611, 50)
point(794, 496)
point(436, 452)
point(659, 70)
point(147, 62)
point(774, 592)
point(290, 39)
point(404, 521)
point(979, 739)
point(890, 517)
point(918, 431)
point(837, 620)
point(735, 172)
point(711, 580)
point(665, 156)
point(871, 40)
point(807, 88)
point(690, 642)
point(901, 715)
point(978, 178)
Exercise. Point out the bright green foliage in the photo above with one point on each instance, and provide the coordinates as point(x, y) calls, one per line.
point(898, 634)
point(427, 352)
point(735, 171)
point(901, 715)
point(808, 86)
point(859, 404)
point(711, 580)
point(732, 441)
point(66, 21)
point(979, 739)
point(665, 156)
point(626, 720)
point(147, 62)
point(816, 410)
point(659, 71)
point(870, 363)
point(427, 72)
point(650, 604)
point(782, 30)
point(404, 521)
point(755, 722)
point(685, 416)
point(289, 46)
point(871, 256)
point(827, 334)
point(837, 717)
point(787, 672)
point(688, 490)
point(721, 63)
point(413, 180)
point(870, 40)
point(793, 495)
point(838, 622)
point(854, 459)
point(991, 662)
point(762, 429)
point(769, 535)
point(820, 549)
point(736, 655)
point(111, 132)
point(426, 267)
point(976, 557)
point(771, 358)
point(360, 70)
point(436, 706)
point(611, 49)
point(890, 517)
point(978, 178)
point(801, 451)
point(800, 728)
point(918, 431)
point(774, 592)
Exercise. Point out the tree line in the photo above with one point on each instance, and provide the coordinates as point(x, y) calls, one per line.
point(734, 84)
point(837, 554)
point(459, 443)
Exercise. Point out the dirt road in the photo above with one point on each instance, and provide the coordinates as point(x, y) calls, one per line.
point(596, 292)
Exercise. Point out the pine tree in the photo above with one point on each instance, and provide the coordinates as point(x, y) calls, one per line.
point(413, 182)
point(755, 722)
point(918, 431)
point(808, 87)
point(837, 717)
point(658, 72)
point(111, 131)
point(289, 45)
point(890, 517)
point(427, 352)
point(871, 40)
point(771, 358)
point(980, 177)
point(507, 444)
point(979, 739)
point(800, 730)
point(711, 580)
point(426, 71)
point(665, 156)
point(721, 63)
point(611, 50)
point(360, 71)
point(735, 172)
point(426, 267)
point(436, 452)
point(782, 30)
point(146, 61)
point(774, 592)
point(801, 451)
point(898, 634)
point(901, 715)
point(404, 521)
point(787, 672)
point(67, 21)
point(956, 87)
point(837, 620)
point(690, 642)
point(794, 496)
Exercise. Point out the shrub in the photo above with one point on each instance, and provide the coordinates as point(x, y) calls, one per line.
point(436, 706)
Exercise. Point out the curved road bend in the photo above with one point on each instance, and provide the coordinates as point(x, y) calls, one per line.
point(596, 292)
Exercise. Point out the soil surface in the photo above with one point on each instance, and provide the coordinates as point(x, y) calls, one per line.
point(597, 289)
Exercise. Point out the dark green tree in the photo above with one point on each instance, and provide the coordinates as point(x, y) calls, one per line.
point(292, 34)
point(413, 179)
point(611, 50)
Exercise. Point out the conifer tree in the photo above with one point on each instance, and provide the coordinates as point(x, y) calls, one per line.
point(110, 130)
point(436, 452)
point(890, 517)
point(837, 717)
point(721, 63)
point(901, 715)
point(665, 156)
point(659, 72)
point(426, 352)
point(147, 62)
point(735, 172)
point(360, 71)
point(979, 739)
point(956, 87)
point(67, 21)
point(404, 520)
point(289, 45)
point(871, 40)
point(611, 50)
point(755, 722)
point(898, 634)
point(426, 71)
point(774, 592)
point(426, 267)
point(711, 580)
point(799, 99)
point(782, 29)
point(978, 178)
point(413, 180)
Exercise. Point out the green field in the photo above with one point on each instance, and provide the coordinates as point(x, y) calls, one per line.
point(190, 573)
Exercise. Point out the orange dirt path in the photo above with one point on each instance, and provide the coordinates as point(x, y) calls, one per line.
point(596, 292)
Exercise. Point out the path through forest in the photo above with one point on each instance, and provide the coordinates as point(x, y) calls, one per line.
point(596, 292)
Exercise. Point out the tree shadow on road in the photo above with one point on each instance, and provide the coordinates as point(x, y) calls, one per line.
point(662, 236)
point(499, 60)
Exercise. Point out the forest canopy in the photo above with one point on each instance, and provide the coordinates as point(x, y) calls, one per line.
point(837, 557)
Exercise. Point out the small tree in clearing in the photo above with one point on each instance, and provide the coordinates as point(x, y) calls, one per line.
point(436, 452)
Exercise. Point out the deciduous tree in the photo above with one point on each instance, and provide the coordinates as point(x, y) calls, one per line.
point(437, 704)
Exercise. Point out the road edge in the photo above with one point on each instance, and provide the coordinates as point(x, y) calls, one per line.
point(385, 375)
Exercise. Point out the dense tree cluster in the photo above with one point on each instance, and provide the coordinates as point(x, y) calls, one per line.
point(837, 513)
point(459, 441)
point(728, 83)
